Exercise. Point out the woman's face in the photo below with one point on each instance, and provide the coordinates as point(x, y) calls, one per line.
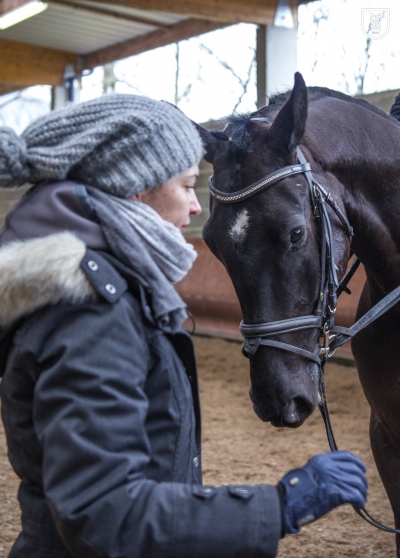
point(174, 200)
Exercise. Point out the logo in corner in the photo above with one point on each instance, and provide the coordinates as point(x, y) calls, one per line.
point(375, 22)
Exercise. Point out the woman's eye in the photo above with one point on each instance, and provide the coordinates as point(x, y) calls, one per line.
point(296, 235)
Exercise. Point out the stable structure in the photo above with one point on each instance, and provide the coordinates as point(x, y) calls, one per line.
point(73, 36)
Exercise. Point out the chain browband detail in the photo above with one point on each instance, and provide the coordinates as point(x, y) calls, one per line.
point(259, 186)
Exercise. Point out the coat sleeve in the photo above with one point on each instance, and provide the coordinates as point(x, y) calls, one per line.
point(89, 415)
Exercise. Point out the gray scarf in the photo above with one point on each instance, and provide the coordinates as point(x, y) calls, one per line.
point(155, 249)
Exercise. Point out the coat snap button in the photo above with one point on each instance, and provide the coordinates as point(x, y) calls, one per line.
point(92, 265)
point(204, 492)
point(240, 492)
point(110, 289)
point(196, 462)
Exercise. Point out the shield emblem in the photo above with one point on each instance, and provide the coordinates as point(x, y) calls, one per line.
point(375, 22)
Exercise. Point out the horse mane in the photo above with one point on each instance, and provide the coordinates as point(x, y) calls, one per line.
point(237, 126)
point(316, 93)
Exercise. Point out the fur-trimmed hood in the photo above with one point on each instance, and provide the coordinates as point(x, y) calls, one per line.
point(41, 271)
point(39, 259)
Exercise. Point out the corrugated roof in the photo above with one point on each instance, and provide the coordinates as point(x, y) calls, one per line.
point(77, 27)
point(83, 34)
point(160, 18)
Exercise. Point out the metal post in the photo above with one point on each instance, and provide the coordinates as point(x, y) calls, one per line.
point(261, 65)
point(63, 95)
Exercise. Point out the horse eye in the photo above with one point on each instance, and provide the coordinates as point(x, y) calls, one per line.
point(296, 235)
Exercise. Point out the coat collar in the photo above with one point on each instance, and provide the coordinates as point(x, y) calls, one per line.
point(60, 269)
point(42, 271)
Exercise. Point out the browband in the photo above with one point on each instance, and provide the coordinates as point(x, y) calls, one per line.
point(258, 186)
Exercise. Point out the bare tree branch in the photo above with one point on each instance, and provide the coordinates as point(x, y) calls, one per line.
point(318, 15)
point(109, 78)
point(246, 83)
point(25, 110)
point(223, 63)
point(11, 100)
point(20, 96)
point(360, 79)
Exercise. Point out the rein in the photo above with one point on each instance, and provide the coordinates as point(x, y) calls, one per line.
point(259, 334)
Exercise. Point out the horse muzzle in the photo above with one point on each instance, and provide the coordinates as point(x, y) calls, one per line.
point(290, 414)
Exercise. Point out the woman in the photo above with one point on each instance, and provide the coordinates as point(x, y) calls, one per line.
point(99, 388)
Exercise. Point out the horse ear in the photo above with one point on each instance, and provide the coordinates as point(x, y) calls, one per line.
point(289, 125)
point(210, 141)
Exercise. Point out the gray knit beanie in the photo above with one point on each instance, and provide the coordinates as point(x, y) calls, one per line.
point(121, 144)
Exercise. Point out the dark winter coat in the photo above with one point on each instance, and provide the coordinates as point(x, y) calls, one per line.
point(101, 411)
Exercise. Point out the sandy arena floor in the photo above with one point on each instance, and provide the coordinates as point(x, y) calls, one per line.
point(239, 448)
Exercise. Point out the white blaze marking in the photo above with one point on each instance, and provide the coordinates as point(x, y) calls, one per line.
point(240, 226)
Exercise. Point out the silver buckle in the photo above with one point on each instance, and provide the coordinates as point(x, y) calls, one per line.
point(324, 351)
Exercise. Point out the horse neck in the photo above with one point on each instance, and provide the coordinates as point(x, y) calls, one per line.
point(362, 150)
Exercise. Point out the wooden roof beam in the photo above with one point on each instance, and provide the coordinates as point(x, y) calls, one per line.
point(177, 32)
point(228, 11)
point(26, 65)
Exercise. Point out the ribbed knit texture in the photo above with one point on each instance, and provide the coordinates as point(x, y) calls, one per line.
point(121, 144)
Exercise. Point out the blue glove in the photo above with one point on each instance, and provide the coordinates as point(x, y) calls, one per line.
point(325, 482)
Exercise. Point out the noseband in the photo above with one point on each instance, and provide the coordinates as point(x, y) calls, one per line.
point(257, 334)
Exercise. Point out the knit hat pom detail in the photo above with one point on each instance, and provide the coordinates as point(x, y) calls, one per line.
point(14, 168)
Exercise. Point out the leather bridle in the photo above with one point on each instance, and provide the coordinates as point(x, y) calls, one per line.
point(259, 334)
point(322, 319)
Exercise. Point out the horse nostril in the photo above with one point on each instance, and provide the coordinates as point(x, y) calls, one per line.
point(304, 408)
point(296, 410)
point(289, 413)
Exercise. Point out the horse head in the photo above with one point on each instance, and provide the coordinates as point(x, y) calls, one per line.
point(270, 245)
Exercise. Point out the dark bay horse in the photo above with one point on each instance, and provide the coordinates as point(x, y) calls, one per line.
point(270, 244)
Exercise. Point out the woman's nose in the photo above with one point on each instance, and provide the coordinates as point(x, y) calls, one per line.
point(195, 207)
